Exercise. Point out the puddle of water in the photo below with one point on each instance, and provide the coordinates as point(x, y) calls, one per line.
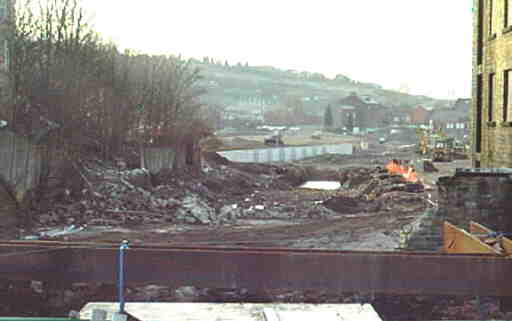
point(322, 185)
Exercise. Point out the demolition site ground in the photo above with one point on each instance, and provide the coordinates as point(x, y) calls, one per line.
point(252, 205)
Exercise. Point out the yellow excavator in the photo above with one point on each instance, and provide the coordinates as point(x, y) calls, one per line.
point(423, 141)
point(436, 145)
point(443, 150)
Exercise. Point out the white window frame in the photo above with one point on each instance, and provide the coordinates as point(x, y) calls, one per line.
point(6, 54)
point(4, 9)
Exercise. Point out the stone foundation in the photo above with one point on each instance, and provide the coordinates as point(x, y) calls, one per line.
point(480, 195)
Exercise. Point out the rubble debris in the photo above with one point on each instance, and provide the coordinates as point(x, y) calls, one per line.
point(346, 205)
point(62, 232)
point(429, 167)
point(194, 210)
point(371, 190)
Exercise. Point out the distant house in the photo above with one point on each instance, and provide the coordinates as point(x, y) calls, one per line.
point(398, 116)
point(360, 113)
point(454, 121)
point(419, 115)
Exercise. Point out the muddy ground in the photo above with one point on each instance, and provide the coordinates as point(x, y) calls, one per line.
point(257, 205)
point(262, 205)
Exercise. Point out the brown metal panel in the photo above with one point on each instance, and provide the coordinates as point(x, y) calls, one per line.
point(30, 263)
point(260, 269)
point(329, 272)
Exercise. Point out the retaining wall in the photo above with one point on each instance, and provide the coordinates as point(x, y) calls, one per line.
point(156, 158)
point(285, 154)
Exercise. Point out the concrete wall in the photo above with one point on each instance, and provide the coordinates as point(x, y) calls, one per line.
point(20, 162)
point(496, 48)
point(156, 158)
point(20, 165)
point(285, 154)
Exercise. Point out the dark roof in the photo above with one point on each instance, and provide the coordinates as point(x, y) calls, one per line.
point(462, 104)
point(352, 100)
point(447, 115)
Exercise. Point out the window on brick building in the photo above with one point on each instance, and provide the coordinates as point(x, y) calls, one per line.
point(490, 107)
point(507, 92)
point(3, 10)
point(480, 32)
point(478, 125)
point(4, 54)
point(492, 16)
point(3, 50)
point(508, 13)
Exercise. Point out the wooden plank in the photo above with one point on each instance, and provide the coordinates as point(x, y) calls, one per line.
point(506, 244)
point(457, 240)
point(476, 228)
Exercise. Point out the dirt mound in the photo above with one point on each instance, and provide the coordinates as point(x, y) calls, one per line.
point(346, 205)
point(215, 158)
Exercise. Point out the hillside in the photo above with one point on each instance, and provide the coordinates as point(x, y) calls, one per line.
point(262, 85)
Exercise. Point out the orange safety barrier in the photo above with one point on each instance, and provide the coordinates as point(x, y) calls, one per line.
point(396, 167)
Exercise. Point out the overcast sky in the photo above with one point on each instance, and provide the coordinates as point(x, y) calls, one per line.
point(422, 45)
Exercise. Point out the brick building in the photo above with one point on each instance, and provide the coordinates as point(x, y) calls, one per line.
point(362, 113)
point(453, 121)
point(492, 84)
point(419, 115)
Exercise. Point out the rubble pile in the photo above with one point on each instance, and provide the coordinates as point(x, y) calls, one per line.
point(114, 197)
point(374, 190)
point(223, 193)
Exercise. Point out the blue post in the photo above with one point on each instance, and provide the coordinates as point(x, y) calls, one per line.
point(122, 248)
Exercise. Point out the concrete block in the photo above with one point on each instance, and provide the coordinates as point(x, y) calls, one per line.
point(119, 317)
point(99, 315)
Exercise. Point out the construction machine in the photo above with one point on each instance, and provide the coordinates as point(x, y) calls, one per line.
point(461, 150)
point(423, 141)
point(275, 140)
point(443, 150)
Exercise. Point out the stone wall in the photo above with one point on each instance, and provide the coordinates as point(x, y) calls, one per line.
point(483, 197)
point(495, 48)
point(424, 234)
point(470, 195)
